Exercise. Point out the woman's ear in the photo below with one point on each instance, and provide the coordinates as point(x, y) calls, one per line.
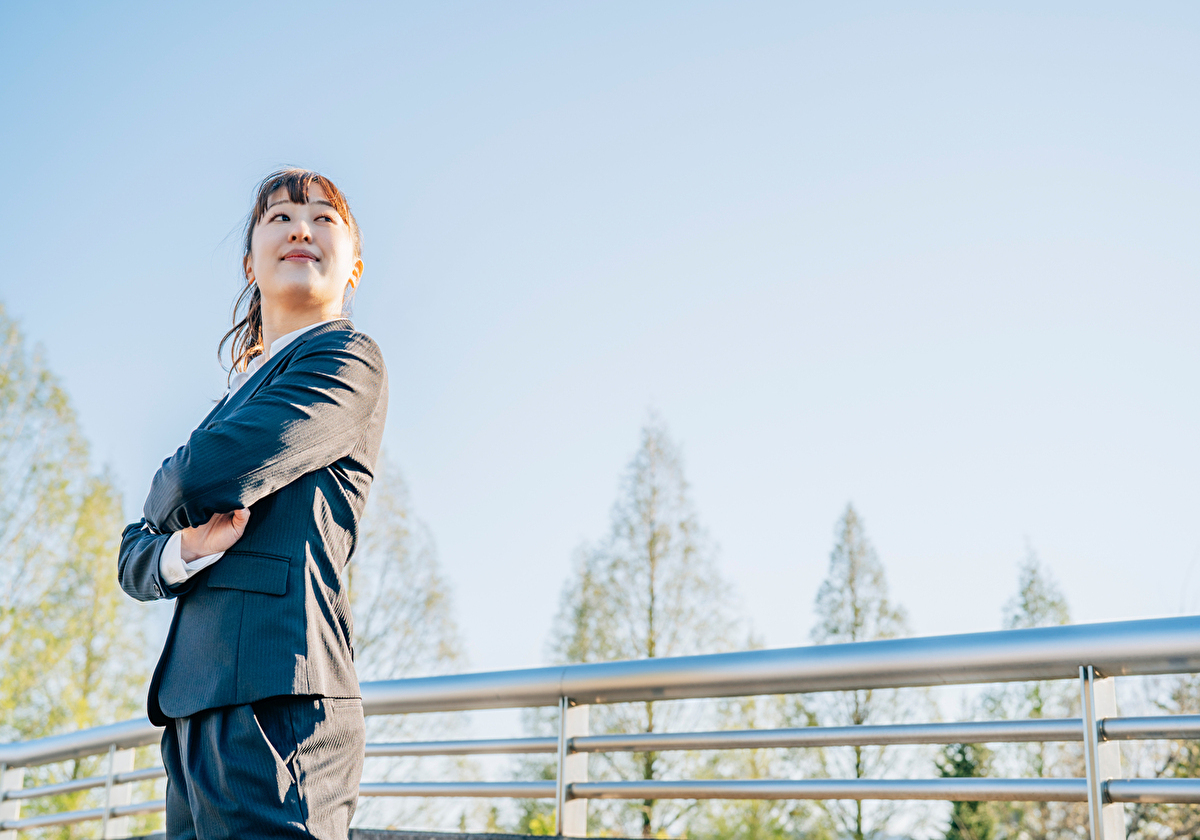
point(247, 270)
point(356, 274)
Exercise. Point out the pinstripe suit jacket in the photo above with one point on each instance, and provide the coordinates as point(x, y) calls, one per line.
point(297, 445)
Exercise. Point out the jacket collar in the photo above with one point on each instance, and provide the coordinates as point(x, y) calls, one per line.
point(261, 375)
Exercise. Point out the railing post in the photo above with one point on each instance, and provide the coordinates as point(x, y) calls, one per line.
point(119, 761)
point(570, 815)
point(1102, 758)
point(11, 779)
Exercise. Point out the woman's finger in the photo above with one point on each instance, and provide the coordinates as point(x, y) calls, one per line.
point(239, 520)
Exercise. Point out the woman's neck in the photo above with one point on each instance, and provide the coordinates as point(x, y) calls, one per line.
point(278, 324)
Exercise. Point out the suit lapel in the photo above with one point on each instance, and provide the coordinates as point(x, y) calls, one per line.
point(264, 373)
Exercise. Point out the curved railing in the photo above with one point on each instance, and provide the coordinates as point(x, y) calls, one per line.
point(1092, 654)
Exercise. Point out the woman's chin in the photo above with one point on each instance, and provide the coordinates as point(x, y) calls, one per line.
point(298, 287)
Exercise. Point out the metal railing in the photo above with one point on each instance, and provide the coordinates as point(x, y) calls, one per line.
point(1090, 654)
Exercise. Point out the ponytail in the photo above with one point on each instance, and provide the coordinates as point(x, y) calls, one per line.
point(247, 333)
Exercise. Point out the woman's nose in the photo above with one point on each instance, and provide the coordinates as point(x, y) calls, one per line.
point(300, 233)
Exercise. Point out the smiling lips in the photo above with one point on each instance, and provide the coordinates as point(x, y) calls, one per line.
point(299, 256)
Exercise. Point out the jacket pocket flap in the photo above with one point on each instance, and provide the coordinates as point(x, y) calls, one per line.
point(250, 571)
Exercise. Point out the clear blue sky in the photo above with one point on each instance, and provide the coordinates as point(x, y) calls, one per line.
point(940, 260)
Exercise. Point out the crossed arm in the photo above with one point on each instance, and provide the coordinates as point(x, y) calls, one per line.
point(310, 415)
point(141, 568)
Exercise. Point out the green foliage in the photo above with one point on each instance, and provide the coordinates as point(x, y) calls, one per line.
point(968, 820)
point(536, 816)
point(70, 639)
point(43, 466)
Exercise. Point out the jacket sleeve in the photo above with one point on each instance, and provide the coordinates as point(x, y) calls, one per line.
point(311, 414)
point(138, 564)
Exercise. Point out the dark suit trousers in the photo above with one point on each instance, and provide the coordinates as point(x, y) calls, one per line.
point(281, 767)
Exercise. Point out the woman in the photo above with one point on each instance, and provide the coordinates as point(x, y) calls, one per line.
point(249, 526)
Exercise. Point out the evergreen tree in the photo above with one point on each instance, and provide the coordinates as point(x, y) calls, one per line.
point(968, 820)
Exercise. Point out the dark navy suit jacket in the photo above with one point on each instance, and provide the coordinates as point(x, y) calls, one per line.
point(297, 445)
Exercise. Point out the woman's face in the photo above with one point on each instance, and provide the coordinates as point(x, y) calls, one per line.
point(302, 255)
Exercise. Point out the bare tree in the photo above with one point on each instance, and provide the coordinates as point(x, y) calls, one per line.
point(403, 612)
point(1038, 602)
point(853, 605)
point(404, 626)
point(1169, 760)
point(649, 589)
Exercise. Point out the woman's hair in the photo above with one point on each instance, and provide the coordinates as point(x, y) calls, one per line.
point(247, 331)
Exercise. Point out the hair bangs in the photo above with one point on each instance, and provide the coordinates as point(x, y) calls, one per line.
point(298, 183)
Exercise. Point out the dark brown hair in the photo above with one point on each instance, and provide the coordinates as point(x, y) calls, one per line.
point(247, 331)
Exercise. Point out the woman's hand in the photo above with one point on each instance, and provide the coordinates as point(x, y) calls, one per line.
point(219, 533)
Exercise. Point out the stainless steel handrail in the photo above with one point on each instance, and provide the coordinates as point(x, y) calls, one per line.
point(1153, 646)
point(488, 746)
point(969, 732)
point(511, 790)
point(1150, 728)
point(138, 732)
point(144, 775)
point(1019, 790)
point(1157, 646)
point(68, 817)
point(1171, 791)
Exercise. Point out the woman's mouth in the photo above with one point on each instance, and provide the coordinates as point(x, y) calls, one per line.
point(299, 256)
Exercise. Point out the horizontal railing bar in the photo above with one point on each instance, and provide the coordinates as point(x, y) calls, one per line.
point(510, 790)
point(965, 732)
point(68, 817)
point(143, 775)
point(72, 785)
point(1153, 646)
point(490, 746)
point(954, 790)
point(146, 807)
point(968, 732)
point(55, 789)
point(1147, 728)
point(1173, 791)
point(130, 733)
point(64, 818)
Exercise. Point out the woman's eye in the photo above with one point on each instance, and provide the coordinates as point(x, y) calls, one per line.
point(280, 217)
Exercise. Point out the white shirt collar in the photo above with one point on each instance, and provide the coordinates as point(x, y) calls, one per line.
point(239, 378)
